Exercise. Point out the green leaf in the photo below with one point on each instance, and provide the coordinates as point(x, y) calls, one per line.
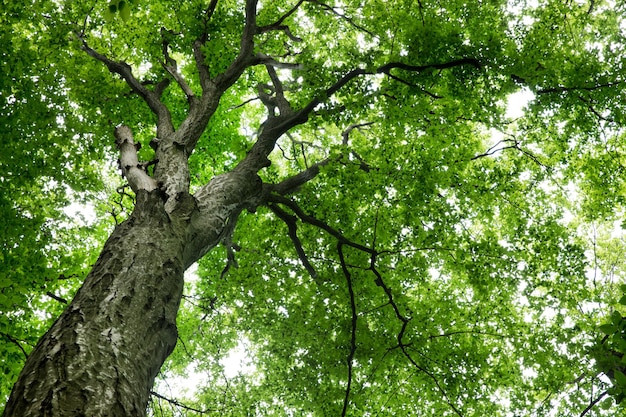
point(608, 328)
point(620, 378)
point(622, 300)
point(124, 10)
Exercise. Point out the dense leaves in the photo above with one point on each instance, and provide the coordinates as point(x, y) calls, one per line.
point(450, 254)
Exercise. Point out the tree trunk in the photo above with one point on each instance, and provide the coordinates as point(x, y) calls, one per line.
point(101, 356)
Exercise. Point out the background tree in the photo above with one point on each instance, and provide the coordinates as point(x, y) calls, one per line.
point(372, 227)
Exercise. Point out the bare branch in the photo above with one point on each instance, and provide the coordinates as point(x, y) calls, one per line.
point(283, 105)
point(293, 206)
point(279, 23)
point(245, 58)
point(346, 133)
point(419, 68)
point(15, 342)
point(138, 179)
point(593, 403)
point(203, 69)
point(164, 119)
point(290, 221)
point(283, 28)
point(563, 89)
point(209, 11)
point(385, 69)
point(56, 297)
point(178, 403)
point(171, 67)
point(160, 87)
point(268, 60)
point(293, 183)
point(352, 351)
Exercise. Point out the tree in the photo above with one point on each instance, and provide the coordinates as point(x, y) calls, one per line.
point(366, 216)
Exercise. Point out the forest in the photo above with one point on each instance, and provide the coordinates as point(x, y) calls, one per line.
point(312, 208)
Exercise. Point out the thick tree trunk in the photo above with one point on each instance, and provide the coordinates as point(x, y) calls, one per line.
point(101, 356)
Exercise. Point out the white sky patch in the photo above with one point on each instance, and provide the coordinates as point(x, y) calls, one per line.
point(239, 360)
point(85, 212)
point(516, 103)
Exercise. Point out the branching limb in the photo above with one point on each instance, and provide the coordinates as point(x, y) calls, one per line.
point(283, 105)
point(290, 221)
point(503, 144)
point(293, 206)
point(283, 28)
point(245, 58)
point(209, 14)
point(164, 119)
point(278, 25)
point(201, 66)
point(384, 69)
point(346, 273)
point(171, 67)
point(379, 281)
point(261, 58)
point(137, 177)
point(178, 403)
point(563, 89)
point(293, 184)
point(593, 403)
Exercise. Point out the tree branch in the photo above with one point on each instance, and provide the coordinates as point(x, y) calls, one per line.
point(171, 67)
point(178, 403)
point(261, 58)
point(352, 351)
point(290, 221)
point(293, 206)
point(201, 66)
point(384, 69)
point(15, 342)
point(344, 17)
point(593, 403)
point(563, 89)
point(164, 118)
point(278, 25)
point(245, 58)
point(275, 127)
point(283, 105)
point(293, 183)
point(56, 297)
point(138, 179)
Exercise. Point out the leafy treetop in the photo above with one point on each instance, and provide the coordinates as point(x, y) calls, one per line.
point(419, 250)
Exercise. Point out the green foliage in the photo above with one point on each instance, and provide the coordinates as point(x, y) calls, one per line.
point(480, 253)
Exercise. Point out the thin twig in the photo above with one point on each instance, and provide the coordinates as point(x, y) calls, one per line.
point(352, 351)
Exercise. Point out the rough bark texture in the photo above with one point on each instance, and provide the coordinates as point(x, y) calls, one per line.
point(101, 356)
point(103, 353)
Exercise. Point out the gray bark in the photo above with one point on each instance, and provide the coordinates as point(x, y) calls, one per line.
point(101, 356)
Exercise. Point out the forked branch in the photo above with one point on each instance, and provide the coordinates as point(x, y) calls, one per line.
point(290, 221)
point(164, 120)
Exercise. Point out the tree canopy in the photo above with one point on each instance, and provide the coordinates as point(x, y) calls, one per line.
point(427, 244)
